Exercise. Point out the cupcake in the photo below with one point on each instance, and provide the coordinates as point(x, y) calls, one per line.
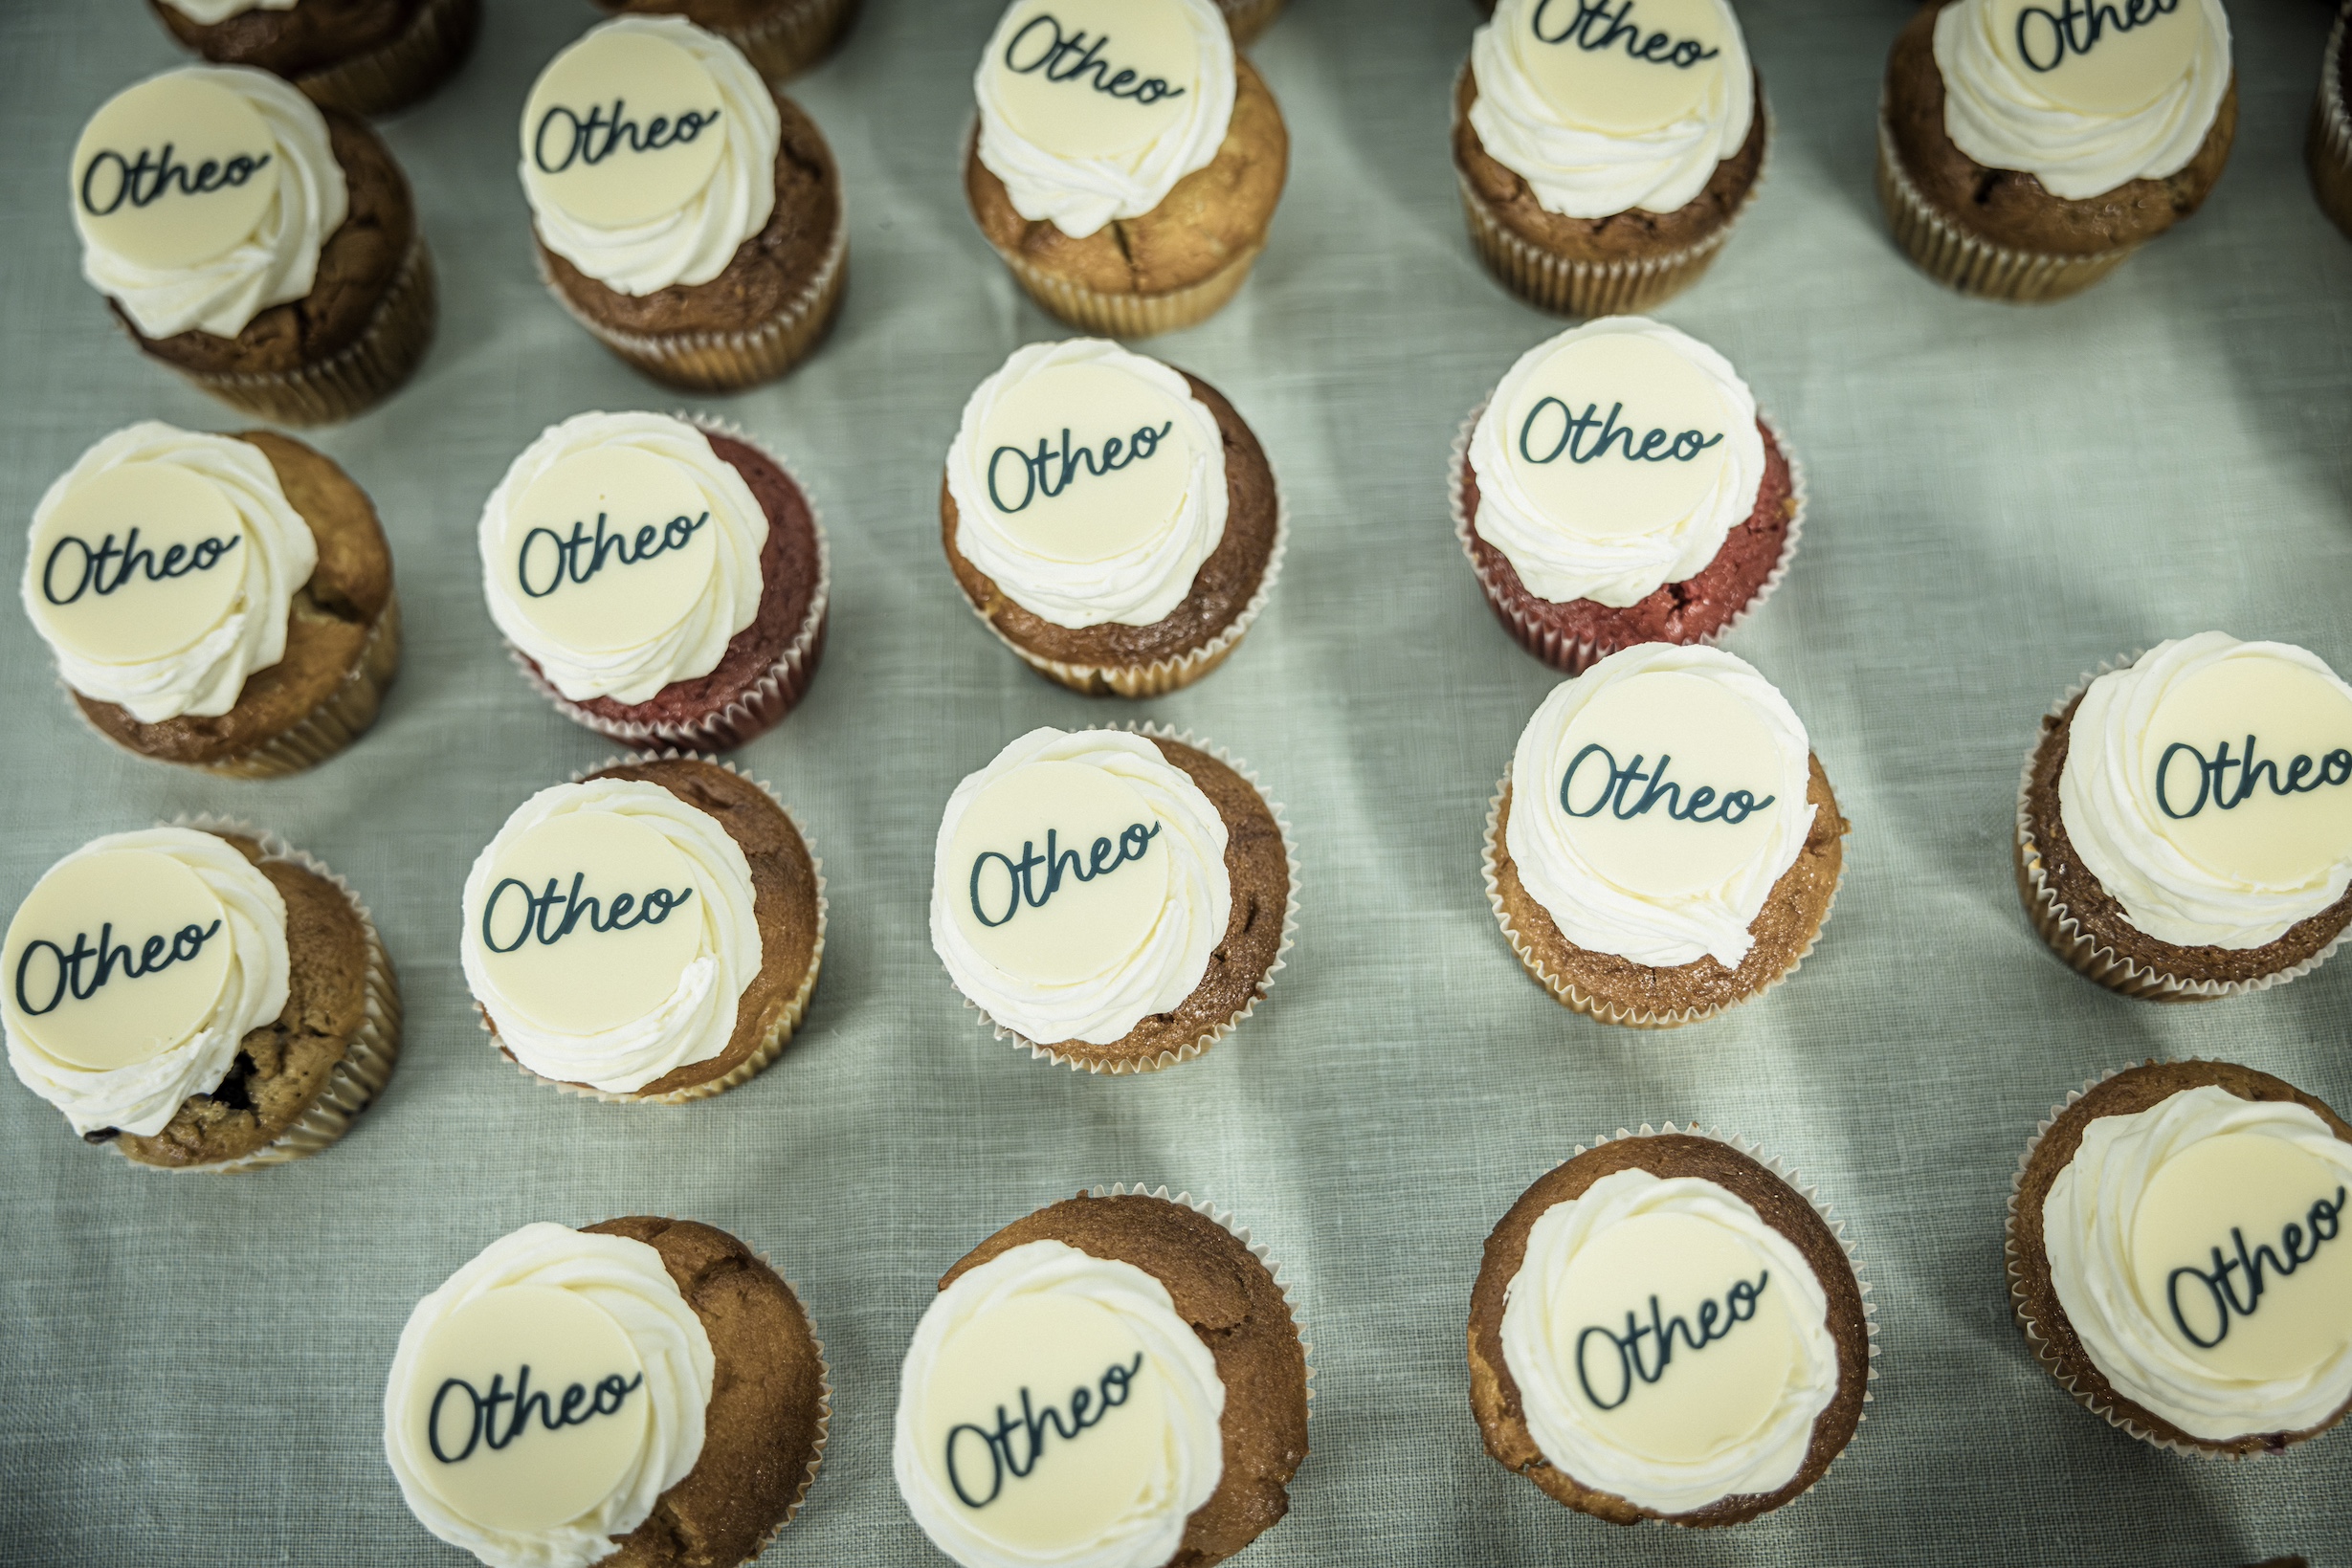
point(1126, 163)
point(1143, 937)
point(1605, 157)
point(1247, 18)
point(1724, 898)
point(1135, 535)
point(780, 37)
point(715, 907)
point(688, 218)
point(362, 56)
point(223, 602)
point(2185, 822)
point(2025, 153)
point(1117, 1380)
point(667, 1401)
point(1690, 518)
point(2329, 148)
point(282, 271)
point(663, 583)
point(272, 1020)
point(2174, 1260)
point(1681, 1238)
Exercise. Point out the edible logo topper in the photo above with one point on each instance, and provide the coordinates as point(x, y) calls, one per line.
point(1084, 462)
point(1617, 434)
point(1645, 1350)
point(609, 549)
point(2250, 770)
point(1624, 65)
point(622, 128)
point(175, 172)
point(2099, 56)
point(1067, 872)
point(1093, 79)
point(135, 562)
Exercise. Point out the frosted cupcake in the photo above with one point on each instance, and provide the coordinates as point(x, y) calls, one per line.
point(1112, 519)
point(266, 251)
point(605, 1394)
point(1158, 1347)
point(201, 998)
point(2023, 153)
point(223, 602)
point(2185, 822)
point(366, 58)
point(1619, 487)
point(662, 582)
point(2328, 149)
point(781, 39)
point(1665, 844)
point(652, 931)
point(1603, 156)
point(1126, 163)
point(1115, 901)
point(687, 216)
point(2176, 1256)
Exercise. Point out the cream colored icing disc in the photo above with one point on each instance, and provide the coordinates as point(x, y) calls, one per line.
point(114, 958)
point(609, 549)
point(1619, 433)
point(1086, 461)
point(1093, 79)
point(609, 944)
point(2246, 1188)
point(1005, 1390)
point(535, 1407)
point(1065, 872)
point(175, 172)
point(2098, 56)
point(136, 562)
point(2266, 836)
point(1706, 1283)
point(621, 129)
point(1627, 66)
point(1695, 832)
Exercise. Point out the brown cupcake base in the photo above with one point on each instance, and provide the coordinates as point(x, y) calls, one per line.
point(794, 35)
point(2328, 147)
point(376, 77)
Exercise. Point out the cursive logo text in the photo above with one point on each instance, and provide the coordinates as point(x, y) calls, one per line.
point(1061, 57)
point(2223, 1299)
point(1101, 857)
point(1049, 472)
point(111, 566)
point(550, 916)
point(1655, 446)
point(2214, 785)
point(1596, 28)
point(1628, 1361)
point(1617, 791)
point(577, 1405)
point(109, 179)
point(2045, 37)
point(583, 555)
point(1016, 1443)
point(84, 972)
point(598, 137)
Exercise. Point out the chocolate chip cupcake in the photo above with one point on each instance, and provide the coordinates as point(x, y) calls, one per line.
point(1164, 1350)
point(687, 216)
point(781, 39)
point(2023, 157)
point(2153, 860)
point(199, 997)
point(1130, 557)
point(220, 602)
point(2329, 148)
point(1126, 162)
point(668, 1401)
point(362, 56)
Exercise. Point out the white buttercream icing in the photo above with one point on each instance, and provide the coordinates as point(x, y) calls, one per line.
point(208, 11)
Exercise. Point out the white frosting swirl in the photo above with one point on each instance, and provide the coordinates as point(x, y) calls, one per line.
point(142, 1098)
point(1563, 559)
point(1995, 112)
point(1762, 1460)
point(628, 1281)
point(1135, 586)
point(208, 11)
point(1150, 1532)
point(1601, 913)
point(689, 647)
point(277, 262)
point(1582, 170)
point(204, 677)
point(697, 1018)
point(2090, 1221)
point(693, 242)
point(1103, 1008)
point(1079, 195)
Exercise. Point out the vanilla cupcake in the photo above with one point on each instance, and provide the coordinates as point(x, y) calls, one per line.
point(366, 58)
point(687, 216)
point(1665, 844)
point(1112, 519)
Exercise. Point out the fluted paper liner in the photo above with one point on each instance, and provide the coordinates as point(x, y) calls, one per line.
point(1265, 983)
point(2076, 945)
point(404, 70)
point(824, 1410)
point(369, 1055)
point(1247, 18)
point(1574, 655)
point(798, 35)
point(2328, 148)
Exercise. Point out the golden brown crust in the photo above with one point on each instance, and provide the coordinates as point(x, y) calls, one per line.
point(1216, 216)
point(2034, 1294)
point(327, 624)
point(1495, 1395)
point(765, 1419)
point(1237, 1308)
point(1784, 929)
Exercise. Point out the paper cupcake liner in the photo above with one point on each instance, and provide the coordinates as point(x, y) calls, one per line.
point(762, 704)
point(2329, 148)
point(1265, 983)
point(729, 362)
point(405, 70)
point(823, 1411)
point(1573, 656)
point(2081, 950)
point(368, 1057)
point(1247, 18)
point(1132, 315)
point(798, 35)
point(787, 1022)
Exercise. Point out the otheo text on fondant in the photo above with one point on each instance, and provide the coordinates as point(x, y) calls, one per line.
point(625, 912)
point(1049, 472)
point(581, 556)
point(111, 566)
point(1628, 1363)
point(2222, 1291)
point(1021, 875)
point(1062, 57)
point(2045, 37)
point(2213, 776)
point(599, 135)
point(1596, 28)
point(578, 1405)
point(83, 971)
point(1087, 1408)
point(1734, 806)
point(1656, 446)
point(145, 179)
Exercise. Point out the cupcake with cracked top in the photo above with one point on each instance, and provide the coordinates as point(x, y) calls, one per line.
point(780, 37)
point(362, 56)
